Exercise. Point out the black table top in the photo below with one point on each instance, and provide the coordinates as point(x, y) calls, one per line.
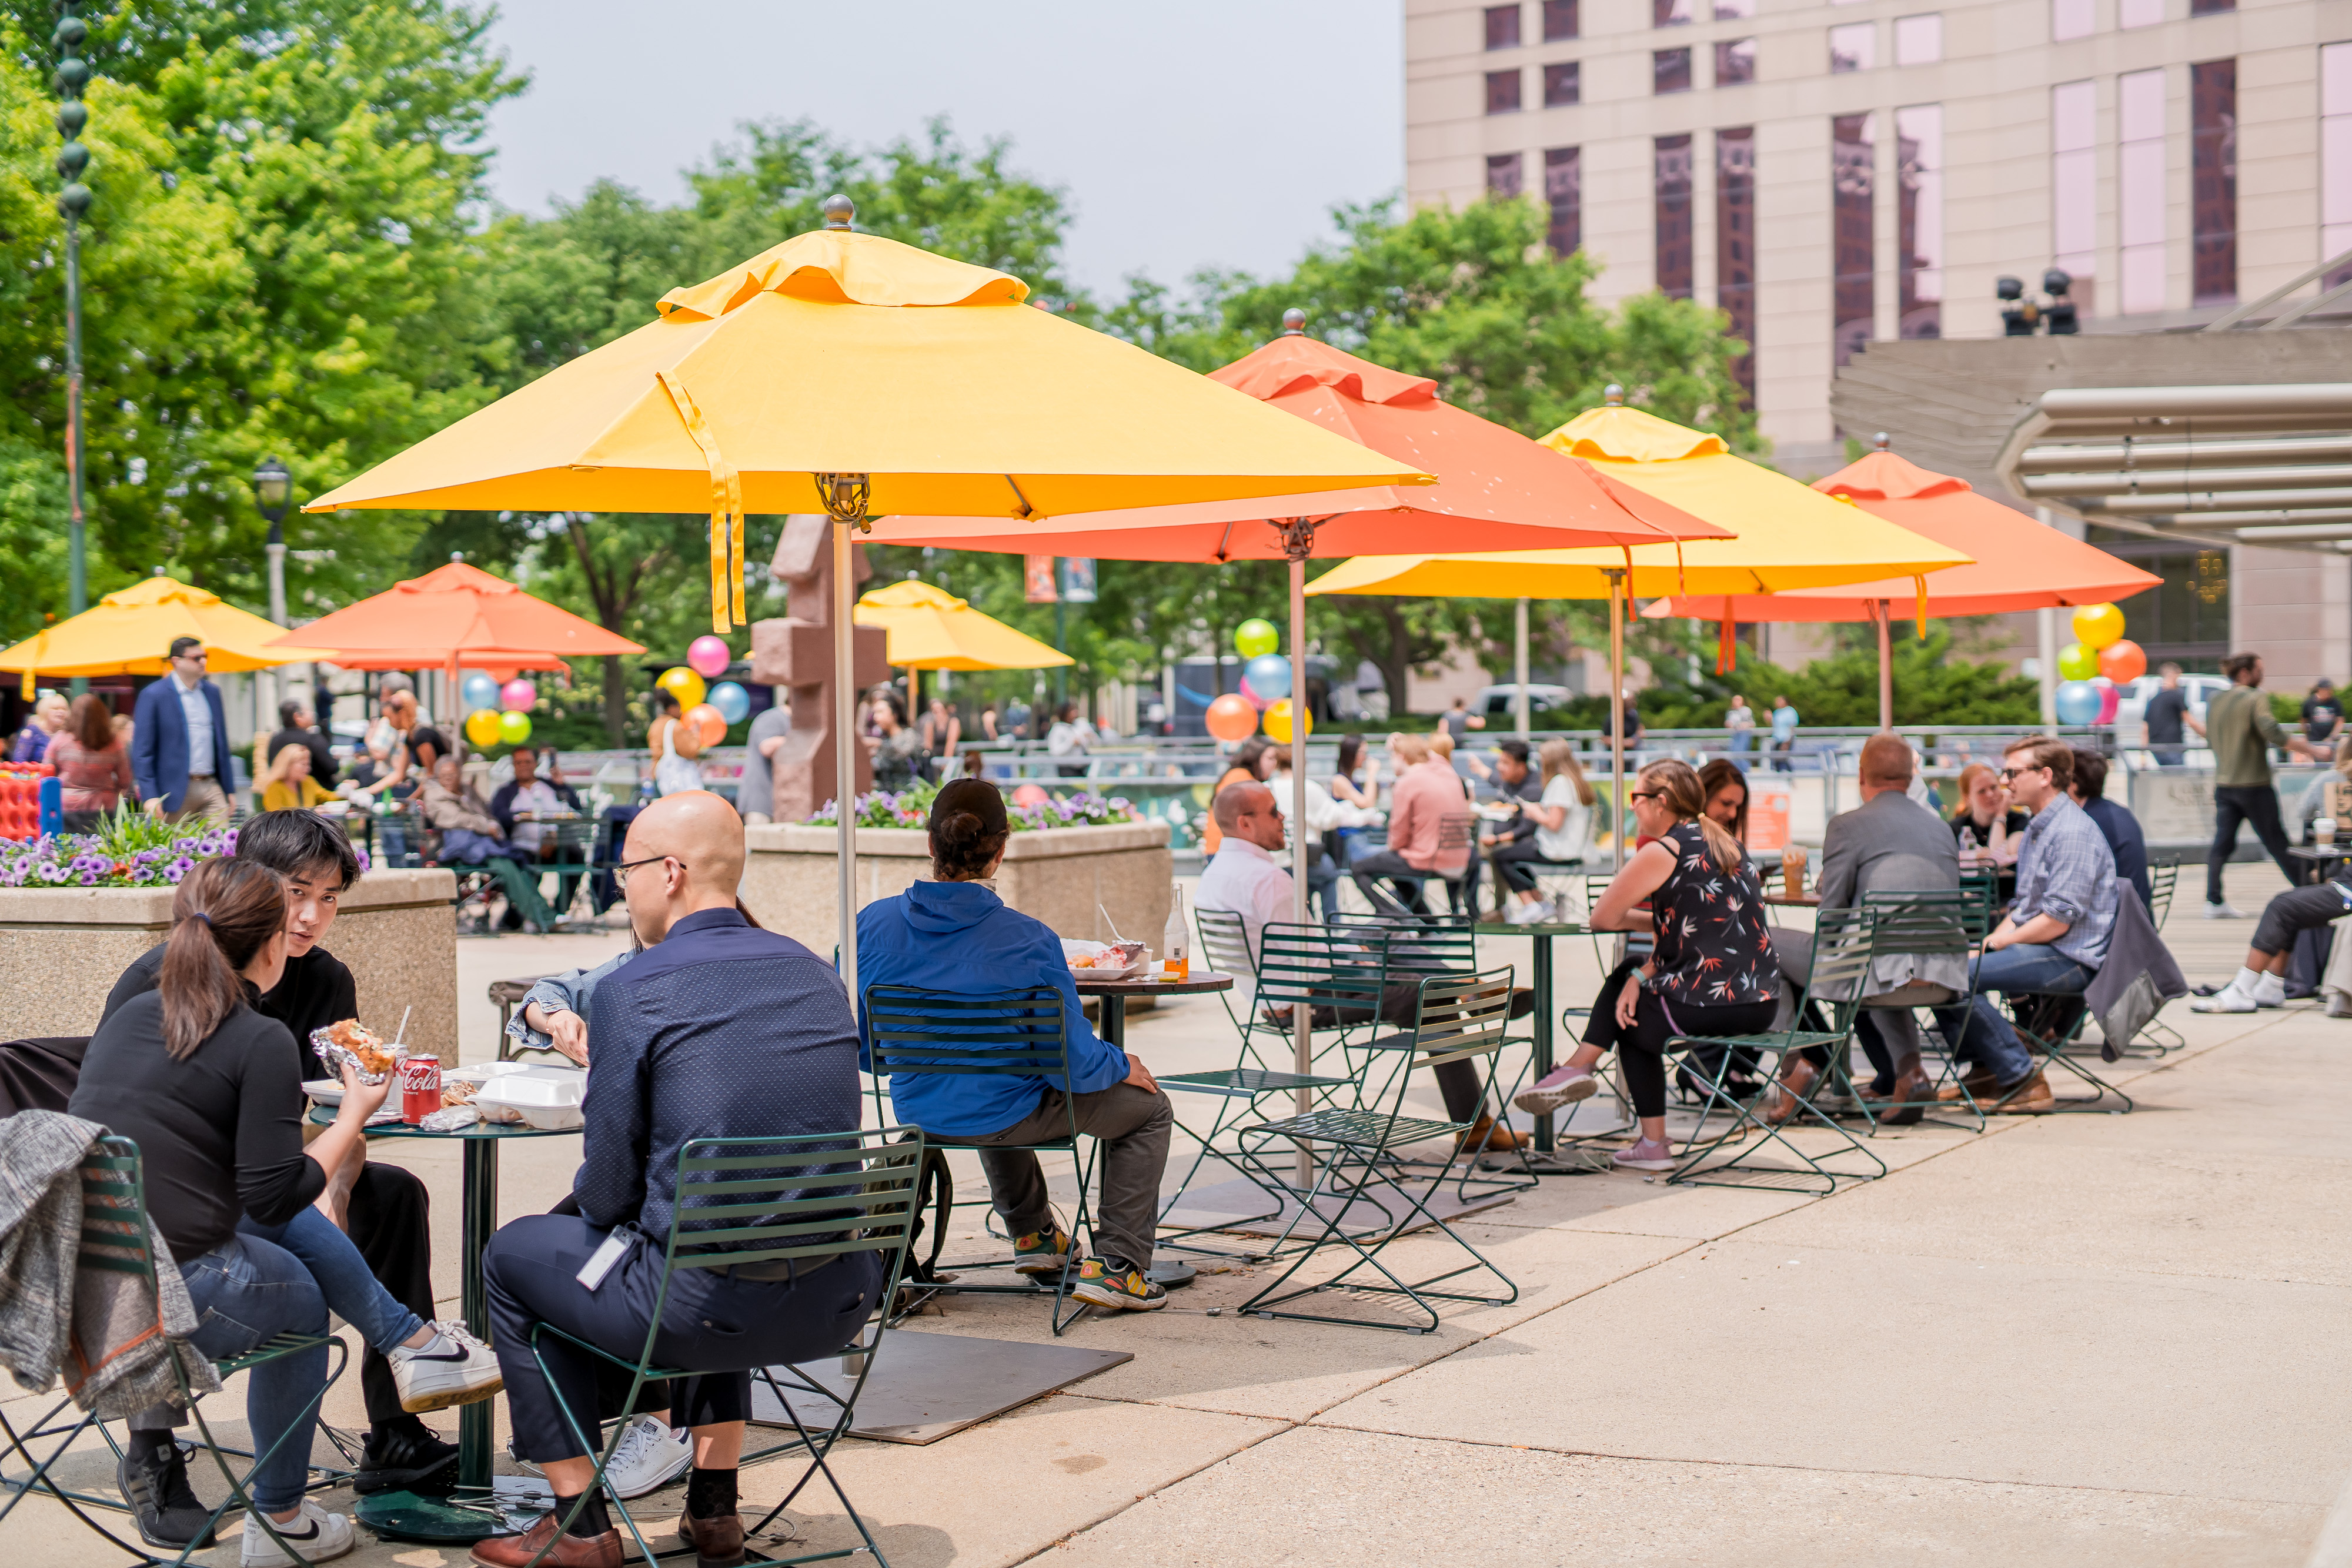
point(1198, 982)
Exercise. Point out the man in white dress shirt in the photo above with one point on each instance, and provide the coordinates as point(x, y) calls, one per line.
point(1242, 877)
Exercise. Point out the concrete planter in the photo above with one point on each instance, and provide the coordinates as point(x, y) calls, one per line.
point(1059, 875)
point(63, 948)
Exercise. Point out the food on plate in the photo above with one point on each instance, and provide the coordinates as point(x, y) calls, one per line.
point(456, 1092)
point(367, 1048)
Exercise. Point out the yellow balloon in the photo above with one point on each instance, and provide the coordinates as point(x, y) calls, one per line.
point(1277, 723)
point(682, 683)
point(2096, 626)
point(482, 726)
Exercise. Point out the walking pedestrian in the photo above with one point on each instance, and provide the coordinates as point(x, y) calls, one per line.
point(2240, 728)
point(2163, 715)
point(1784, 735)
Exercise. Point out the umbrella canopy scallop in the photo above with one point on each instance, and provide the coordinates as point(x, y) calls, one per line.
point(459, 615)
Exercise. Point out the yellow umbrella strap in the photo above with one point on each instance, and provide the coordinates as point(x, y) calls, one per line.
point(726, 512)
point(40, 646)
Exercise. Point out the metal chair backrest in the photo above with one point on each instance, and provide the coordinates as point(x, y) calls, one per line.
point(1638, 944)
point(114, 1233)
point(765, 1201)
point(1926, 923)
point(1985, 881)
point(2162, 878)
point(1005, 1034)
point(1225, 941)
point(1844, 940)
point(1460, 1016)
point(1447, 946)
point(1456, 832)
point(1317, 966)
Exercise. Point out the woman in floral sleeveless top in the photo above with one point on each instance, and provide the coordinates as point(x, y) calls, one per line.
point(1711, 972)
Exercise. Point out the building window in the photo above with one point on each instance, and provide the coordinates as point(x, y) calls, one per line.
point(2139, 12)
point(2139, 161)
point(1503, 178)
point(2213, 182)
point(1735, 245)
point(2186, 619)
point(2210, 8)
point(2070, 19)
point(1502, 92)
point(1560, 85)
point(1672, 270)
point(2075, 186)
point(1564, 194)
point(1670, 71)
point(1735, 62)
point(1854, 248)
point(1853, 47)
point(2335, 158)
point(1559, 20)
point(1920, 40)
point(1671, 13)
point(1919, 220)
point(1502, 26)
point(1733, 10)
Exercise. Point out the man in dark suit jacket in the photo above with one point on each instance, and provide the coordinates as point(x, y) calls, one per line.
point(2114, 821)
point(717, 1029)
point(180, 754)
point(1889, 844)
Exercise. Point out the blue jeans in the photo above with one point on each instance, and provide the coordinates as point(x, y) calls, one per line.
point(1991, 1042)
point(351, 1289)
point(246, 1291)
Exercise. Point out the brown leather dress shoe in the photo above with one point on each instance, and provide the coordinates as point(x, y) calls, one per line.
point(1796, 1076)
point(1978, 1084)
point(717, 1543)
point(1485, 1137)
point(1913, 1089)
point(571, 1552)
point(2031, 1098)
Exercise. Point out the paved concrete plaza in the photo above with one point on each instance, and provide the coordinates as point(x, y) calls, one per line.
point(2076, 1340)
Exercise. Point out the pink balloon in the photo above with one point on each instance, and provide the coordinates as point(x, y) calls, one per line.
point(2109, 698)
point(518, 695)
point(1030, 795)
point(1252, 698)
point(707, 655)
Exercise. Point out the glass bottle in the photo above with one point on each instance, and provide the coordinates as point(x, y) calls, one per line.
point(1174, 945)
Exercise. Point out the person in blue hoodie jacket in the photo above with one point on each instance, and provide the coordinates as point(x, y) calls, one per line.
point(955, 935)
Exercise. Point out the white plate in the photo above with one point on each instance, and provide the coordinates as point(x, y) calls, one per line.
point(325, 1091)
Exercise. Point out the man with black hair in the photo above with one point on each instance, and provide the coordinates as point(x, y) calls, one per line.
point(297, 726)
point(179, 742)
point(385, 1208)
point(2114, 821)
point(2240, 728)
point(1512, 844)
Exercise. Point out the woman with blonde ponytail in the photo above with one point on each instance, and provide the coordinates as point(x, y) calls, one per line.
point(1710, 972)
point(210, 1089)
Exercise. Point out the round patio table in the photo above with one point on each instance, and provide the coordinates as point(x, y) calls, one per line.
point(466, 1514)
point(1114, 994)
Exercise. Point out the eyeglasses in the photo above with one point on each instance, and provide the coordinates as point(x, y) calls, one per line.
point(621, 872)
point(199, 655)
point(2006, 774)
point(1645, 795)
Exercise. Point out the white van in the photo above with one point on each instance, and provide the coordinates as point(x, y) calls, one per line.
point(2131, 704)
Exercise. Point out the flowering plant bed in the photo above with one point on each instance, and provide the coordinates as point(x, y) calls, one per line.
point(911, 807)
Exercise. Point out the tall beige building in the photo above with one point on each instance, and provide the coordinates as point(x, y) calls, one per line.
point(1831, 174)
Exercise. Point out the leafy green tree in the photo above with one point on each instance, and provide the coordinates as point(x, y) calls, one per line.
point(1930, 687)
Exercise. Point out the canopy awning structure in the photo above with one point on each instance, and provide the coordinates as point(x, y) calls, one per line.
point(131, 630)
point(929, 629)
point(458, 617)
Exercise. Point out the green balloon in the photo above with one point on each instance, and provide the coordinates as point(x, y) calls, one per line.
point(2076, 662)
point(514, 729)
point(1254, 637)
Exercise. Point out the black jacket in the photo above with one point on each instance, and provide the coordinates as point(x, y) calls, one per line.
point(317, 990)
point(502, 804)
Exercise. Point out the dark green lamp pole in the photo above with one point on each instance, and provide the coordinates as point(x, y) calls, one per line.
point(73, 201)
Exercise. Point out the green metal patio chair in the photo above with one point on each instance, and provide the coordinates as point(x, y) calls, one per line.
point(115, 1238)
point(813, 1197)
point(1007, 1034)
point(1456, 1018)
point(1933, 922)
point(1840, 970)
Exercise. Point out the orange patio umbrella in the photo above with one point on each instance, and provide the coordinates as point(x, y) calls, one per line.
point(457, 615)
point(1495, 490)
point(2020, 564)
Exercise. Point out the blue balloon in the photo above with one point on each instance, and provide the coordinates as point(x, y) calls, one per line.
point(2079, 702)
point(733, 703)
point(1268, 675)
point(479, 690)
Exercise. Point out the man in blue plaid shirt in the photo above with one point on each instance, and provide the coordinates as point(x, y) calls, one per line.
point(2051, 941)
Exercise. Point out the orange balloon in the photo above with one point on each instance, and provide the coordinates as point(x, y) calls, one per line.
point(707, 722)
point(2123, 661)
point(1232, 717)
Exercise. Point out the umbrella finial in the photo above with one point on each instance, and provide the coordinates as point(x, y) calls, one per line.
point(1880, 441)
point(1294, 322)
point(839, 210)
point(455, 556)
point(1613, 395)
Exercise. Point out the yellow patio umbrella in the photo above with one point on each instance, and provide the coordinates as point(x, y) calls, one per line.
point(933, 630)
point(130, 633)
point(866, 377)
point(1790, 535)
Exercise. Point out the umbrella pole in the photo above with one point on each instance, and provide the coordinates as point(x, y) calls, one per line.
point(844, 751)
point(1520, 704)
point(1616, 577)
point(1301, 1016)
point(1885, 671)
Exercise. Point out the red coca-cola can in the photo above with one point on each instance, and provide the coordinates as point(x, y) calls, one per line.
point(420, 1088)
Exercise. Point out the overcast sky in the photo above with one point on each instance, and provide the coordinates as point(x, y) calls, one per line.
point(1210, 132)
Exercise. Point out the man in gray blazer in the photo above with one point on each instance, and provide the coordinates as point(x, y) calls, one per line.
point(1889, 844)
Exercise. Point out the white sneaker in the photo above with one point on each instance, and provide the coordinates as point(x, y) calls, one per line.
point(2228, 1000)
point(314, 1532)
point(456, 1369)
point(650, 1457)
point(1527, 914)
point(2221, 911)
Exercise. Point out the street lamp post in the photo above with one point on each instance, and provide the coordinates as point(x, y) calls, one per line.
point(73, 201)
point(273, 487)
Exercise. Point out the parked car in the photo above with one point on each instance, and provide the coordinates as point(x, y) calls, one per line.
point(1497, 701)
point(2132, 703)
